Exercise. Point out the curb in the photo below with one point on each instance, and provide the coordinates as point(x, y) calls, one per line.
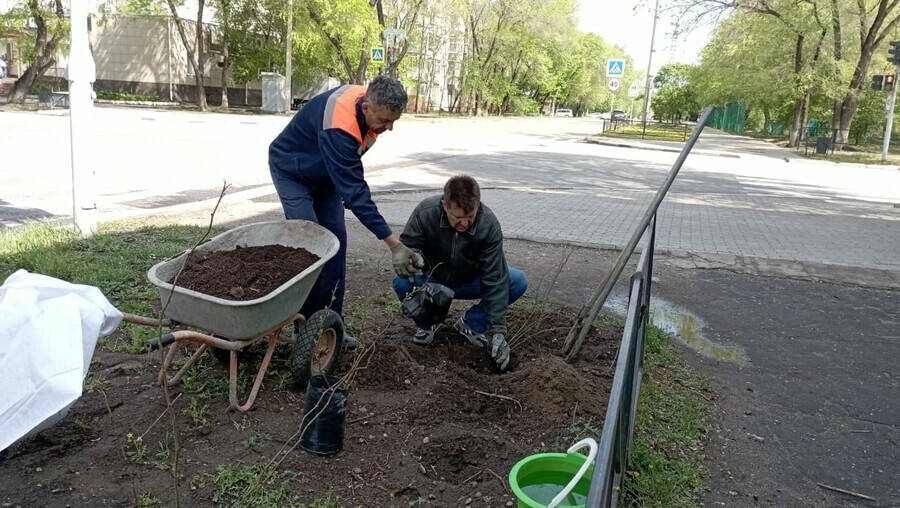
point(595, 141)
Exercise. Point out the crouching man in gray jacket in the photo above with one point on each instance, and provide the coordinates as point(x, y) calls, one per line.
point(462, 245)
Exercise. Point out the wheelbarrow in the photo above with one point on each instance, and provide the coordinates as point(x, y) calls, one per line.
point(231, 326)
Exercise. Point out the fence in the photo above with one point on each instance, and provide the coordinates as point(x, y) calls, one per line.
point(729, 118)
point(652, 130)
point(618, 427)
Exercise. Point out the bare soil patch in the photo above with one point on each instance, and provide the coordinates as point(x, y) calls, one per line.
point(432, 425)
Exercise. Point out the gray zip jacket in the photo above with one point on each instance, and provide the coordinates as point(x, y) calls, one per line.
point(459, 257)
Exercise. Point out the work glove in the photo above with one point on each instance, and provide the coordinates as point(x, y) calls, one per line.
point(499, 350)
point(406, 261)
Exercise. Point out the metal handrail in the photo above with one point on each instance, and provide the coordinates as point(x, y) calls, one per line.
point(618, 427)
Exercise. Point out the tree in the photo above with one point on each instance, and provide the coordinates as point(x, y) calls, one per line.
point(51, 29)
point(675, 97)
point(349, 25)
point(194, 53)
point(811, 21)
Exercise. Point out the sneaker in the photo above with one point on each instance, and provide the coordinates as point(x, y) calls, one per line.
point(477, 339)
point(424, 336)
point(349, 341)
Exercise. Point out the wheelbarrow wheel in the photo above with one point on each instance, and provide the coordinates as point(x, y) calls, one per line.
point(317, 347)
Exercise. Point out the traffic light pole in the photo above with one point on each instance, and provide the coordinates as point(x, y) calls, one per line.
point(892, 101)
point(894, 58)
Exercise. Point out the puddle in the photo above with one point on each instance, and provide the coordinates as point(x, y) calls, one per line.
point(683, 325)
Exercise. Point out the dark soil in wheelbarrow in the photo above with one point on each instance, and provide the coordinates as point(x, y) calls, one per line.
point(245, 273)
point(426, 425)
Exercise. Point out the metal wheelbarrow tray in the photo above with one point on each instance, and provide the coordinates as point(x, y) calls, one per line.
point(242, 320)
point(229, 325)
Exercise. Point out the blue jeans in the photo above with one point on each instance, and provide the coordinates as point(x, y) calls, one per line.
point(323, 205)
point(470, 290)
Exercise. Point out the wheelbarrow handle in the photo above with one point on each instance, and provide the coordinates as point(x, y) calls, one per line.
point(165, 340)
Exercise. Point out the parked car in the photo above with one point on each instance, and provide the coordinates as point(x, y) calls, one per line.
point(617, 114)
point(564, 112)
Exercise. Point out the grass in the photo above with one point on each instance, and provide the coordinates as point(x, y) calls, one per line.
point(232, 482)
point(654, 132)
point(116, 259)
point(665, 469)
point(199, 414)
point(854, 157)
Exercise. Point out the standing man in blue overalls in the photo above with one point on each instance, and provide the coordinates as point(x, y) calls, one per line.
point(317, 169)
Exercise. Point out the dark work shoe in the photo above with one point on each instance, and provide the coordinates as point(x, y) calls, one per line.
point(477, 339)
point(424, 336)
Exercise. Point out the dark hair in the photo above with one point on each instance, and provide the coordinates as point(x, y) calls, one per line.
point(463, 192)
point(387, 92)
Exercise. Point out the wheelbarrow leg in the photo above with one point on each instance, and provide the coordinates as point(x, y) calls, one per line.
point(232, 374)
point(170, 355)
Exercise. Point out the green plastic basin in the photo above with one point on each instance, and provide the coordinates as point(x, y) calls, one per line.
point(537, 479)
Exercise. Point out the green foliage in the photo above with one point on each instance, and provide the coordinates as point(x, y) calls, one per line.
point(21, 12)
point(125, 96)
point(676, 96)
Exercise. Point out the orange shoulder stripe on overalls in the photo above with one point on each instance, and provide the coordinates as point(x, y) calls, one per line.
point(340, 113)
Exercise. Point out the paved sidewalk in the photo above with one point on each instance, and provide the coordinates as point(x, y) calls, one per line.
point(791, 230)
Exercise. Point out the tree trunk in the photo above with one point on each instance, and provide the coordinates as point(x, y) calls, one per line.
point(794, 135)
point(192, 52)
point(805, 119)
point(45, 47)
point(201, 86)
point(225, 28)
point(767, 120)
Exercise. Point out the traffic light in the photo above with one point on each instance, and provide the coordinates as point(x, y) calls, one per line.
point(877, 80)
point(894, 53)
point(889, 83)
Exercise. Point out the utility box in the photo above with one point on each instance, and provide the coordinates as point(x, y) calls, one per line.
point(274, 99)
point(822, 145)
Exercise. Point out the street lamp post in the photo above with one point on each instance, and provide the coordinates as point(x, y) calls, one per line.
point(81, 73)
point(649, 63)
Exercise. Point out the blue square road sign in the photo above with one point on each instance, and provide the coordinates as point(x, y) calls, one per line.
point(615, 68)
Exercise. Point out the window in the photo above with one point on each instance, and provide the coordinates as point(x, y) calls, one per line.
point(205, 62)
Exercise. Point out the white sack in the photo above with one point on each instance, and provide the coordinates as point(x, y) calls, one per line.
point(48, 330)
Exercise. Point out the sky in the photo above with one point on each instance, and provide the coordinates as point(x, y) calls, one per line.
point(629, 23)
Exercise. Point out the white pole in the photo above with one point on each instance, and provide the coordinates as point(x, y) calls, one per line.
point(892, 101)
point(288, 58)
point(649, 64)
point(81, 73)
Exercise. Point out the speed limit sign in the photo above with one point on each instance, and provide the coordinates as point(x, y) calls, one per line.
point(613, 84)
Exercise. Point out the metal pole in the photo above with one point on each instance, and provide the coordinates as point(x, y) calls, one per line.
point(288, 54)
point(599, 298)
point(81, 73)
point(649, 63)
point(890, 119)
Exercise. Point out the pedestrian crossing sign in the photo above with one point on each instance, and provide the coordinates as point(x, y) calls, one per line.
point(378, 54)
point(615, 68)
